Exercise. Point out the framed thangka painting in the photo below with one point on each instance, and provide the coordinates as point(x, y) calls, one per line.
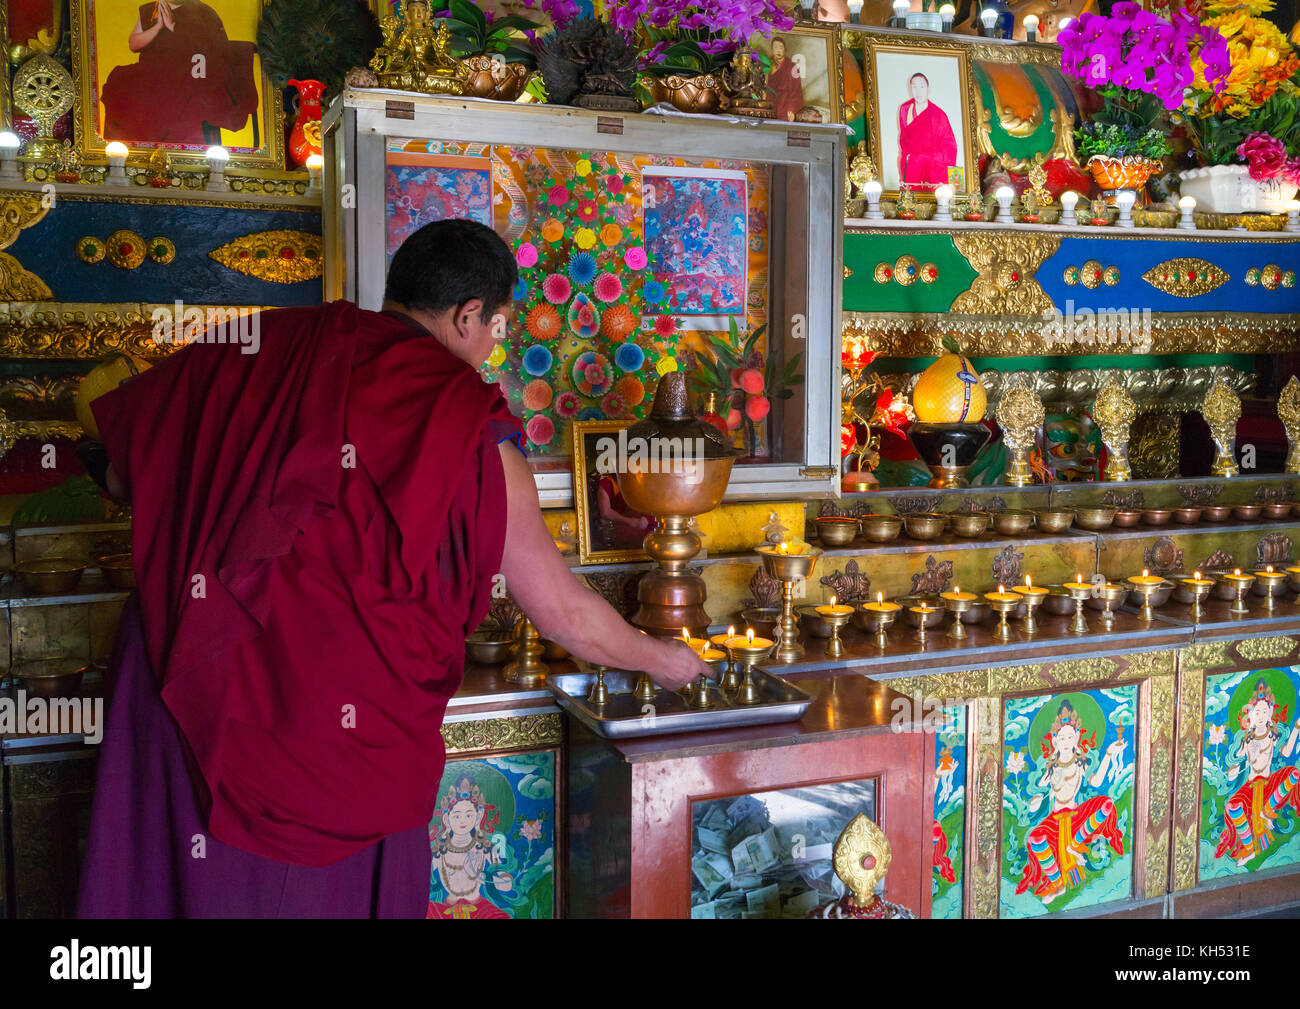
point(493, 838)
point(422, 186)
point(1250, 803)
point(947, 861)
point(769, 854)
point(182, 75)
point(697, 237)
point(1067, 800)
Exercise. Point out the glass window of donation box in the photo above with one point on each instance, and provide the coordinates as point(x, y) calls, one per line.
point(645, 244)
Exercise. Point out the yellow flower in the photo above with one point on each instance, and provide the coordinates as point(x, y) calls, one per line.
point(585, 238)
point(1237, 110)
point(497, 357)
point(583, 168)
point(611, 235)
point(665, 365)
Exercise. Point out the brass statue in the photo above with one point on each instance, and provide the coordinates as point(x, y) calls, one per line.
point(745, 85)
point(1288, 412)
point(1114, 413)
point(1020, 415)
point(414, 57)
point(1221, 411)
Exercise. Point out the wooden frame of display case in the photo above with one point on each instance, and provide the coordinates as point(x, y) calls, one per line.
point(357, 126)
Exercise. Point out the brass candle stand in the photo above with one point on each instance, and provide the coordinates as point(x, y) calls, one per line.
point(1020, 415)
point(924, 616)
point(697, 693)
point(1003, 607)
point(1241, 584)
point(1031, 600)
point(526, 668)
point(1222, 410)
point(835, 647)
point(1273, 584)
point(1110, 594)
point(1146, 589)
point(789, 569)
point(677, 468)
point(1199, 589)
point(1114, 412)
point(1080, 593)
point(957, 605)
point(599, 695)
point(747, 653)
point(879, 621)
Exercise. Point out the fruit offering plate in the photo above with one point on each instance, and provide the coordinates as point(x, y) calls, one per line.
point(625, 716)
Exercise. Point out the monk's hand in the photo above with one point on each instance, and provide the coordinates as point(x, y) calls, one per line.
point(681, 665)
point(165, 16)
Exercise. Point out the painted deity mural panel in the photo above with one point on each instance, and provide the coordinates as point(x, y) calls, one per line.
point(493, 838)
point(949, 815)
point(1248, 773)
point(1067, 800)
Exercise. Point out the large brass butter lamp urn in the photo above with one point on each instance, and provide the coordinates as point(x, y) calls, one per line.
point(675, 467)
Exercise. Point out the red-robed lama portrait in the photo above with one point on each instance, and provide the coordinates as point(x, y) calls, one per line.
point(189, 83)
point(927, 147)
point(785, 82)
point(317, 527)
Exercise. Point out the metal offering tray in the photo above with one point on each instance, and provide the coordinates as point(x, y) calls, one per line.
point(625, 716)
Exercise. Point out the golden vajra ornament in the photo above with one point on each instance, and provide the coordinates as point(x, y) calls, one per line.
point(1020, 414)
point(861, 169)
point(1114, 413)
point(1221, 411)
point(1288, 412)
point(414, 57)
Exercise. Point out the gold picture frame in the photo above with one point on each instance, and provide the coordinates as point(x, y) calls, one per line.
point(888, 83)
point(594, 543)
point(90, 40)
point(817, 80)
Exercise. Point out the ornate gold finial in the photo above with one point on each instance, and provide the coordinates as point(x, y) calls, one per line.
point(862, 856)
point(1221, 411)
point(1020, 414)
point(1288, 412)
point(1114, 413)
point(44, 89)
point(414, 57)
point(862, 169)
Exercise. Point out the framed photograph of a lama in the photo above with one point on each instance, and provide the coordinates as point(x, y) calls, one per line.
point(179, 74)
point(921, 108)
point(803, 74)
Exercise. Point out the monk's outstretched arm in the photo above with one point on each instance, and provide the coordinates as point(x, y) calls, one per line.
point(563, 610)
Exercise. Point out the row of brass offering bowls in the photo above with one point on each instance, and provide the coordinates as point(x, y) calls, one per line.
point(836, 531)
point(54, 575)
point(1192, 514)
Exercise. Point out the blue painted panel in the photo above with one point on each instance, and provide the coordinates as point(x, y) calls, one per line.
point(48, 249)
point(1135, 257)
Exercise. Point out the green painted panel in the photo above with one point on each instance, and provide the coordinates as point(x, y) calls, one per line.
point(863, 294)
point(1042, 139)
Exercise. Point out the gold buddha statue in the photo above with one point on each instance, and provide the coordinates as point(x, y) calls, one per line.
point(414, 57)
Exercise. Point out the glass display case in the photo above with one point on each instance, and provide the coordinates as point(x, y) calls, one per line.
point(646, 244)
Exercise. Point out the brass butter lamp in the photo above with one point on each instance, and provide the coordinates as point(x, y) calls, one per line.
point(674, 488)
point(836, 615)
point(879, 617)
point(789, 569)
point(747, 651)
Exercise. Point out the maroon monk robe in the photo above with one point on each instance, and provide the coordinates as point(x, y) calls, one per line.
point(159, 99)
point(787, 90)
point(316, 529)
point(926, 146)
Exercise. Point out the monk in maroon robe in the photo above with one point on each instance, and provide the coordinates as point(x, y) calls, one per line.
point(317, 528)
point(169, 96)
point(785, 83)
point(927, 147)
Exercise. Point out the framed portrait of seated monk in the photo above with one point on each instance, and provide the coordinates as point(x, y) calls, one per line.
point(180, 74)
point(921, 111)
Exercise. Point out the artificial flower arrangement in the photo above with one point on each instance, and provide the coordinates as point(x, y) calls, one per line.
point(742, 383)
point(1250, 116)
point(1141, 65)
point(691, 38)
point(860, 430)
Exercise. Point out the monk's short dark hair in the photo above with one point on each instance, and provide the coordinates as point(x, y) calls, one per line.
point(920, 75)
point(447, 263)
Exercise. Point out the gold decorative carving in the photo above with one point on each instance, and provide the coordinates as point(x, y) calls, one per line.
point(161, 250)
point(125, 249)
point(883, 273)
point(1271, 276)
point(1185, 860)
point(17, 212)
point(1186, 277)
point(1222, 410)
point(906, 270)
point(1288, 412)
point(1115, 413)
point(861, 856)
point(984, 891)
point(1262, 649)
point(963, 683)
point(1090, 274)
point(1006, 263)
point(998, 334)
point(1206, 655)
point(989, 798)
point(512, 733)
point(1162, 708)
point(1144, 664)
point(91, 250)
point(414, 57)
point(281, 257)
point(1020, 414)
point(59, 330)
point(1156, 883)
point(17, 283)
point(1153, 444)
